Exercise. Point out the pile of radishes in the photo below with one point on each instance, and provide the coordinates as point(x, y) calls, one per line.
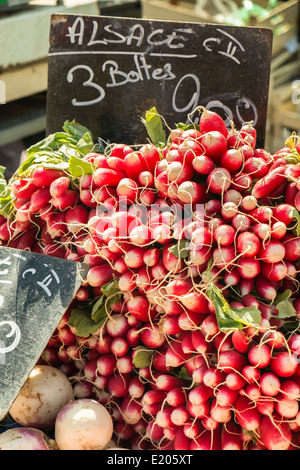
point(186, 327)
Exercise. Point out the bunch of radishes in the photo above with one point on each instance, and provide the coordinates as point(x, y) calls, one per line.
point(186, 326)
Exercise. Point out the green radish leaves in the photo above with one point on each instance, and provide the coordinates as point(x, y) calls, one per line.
point(76, 130)
point(231, 318)
point(5, 194)
point(142, 357)
point(81, 320)
point(180, 249)
point(284, 305)
point(91, 317)
point(79, 167)
point(154, 126)
point(62, 150)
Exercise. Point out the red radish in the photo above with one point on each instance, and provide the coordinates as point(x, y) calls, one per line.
point(196, 302)
point(188, 149)
point(209, 423)
point(272, 252)
point(131, 410)
point(118, 385)
point(23, 188)
point(278, 230)
point(140, 235)
point(208, 440)
point(175, 355)
point(115, 163)
point(76, 218)
point(106, 364)
point(250, 373)
point(179, 172)
point(198, 372)
point(265, 288)
point(66, 200)
point(214, 144)
point(190, 192)
point(213, 377)
point(149, 156)
point(284, 364)
point(274, 433)
point(286, 408)
point(275, 339)
point(248, 244)
point(99, 275)
point(119, 347)
point(225, 235)
point(188, 320)
point(257, 167)
point(218, 180)
point(230, 437)
point(284, 213)
point(265, 406)
point(146, 179)
point(163, 417)
point(127, 190)
point(249, 129)
point(231, 361)
point(260, 355)
point(107, 177)
point(224, 256)
point(59, 186)
point(209, 326)
point(248, 268)
point(45, 176)
point(178, 287)
point(211, 121)
point(232, 160)
point(249, 203)
point(176, 397)
point(294, 344)
point(181, 441)
point(38, 199)
point(269, 182)
point(221, 414)
point(199, 411)
point(140, 308)
point(158, 361)
point(200, 394)
point(134, 257)
point(290, 389)
point(192, 430)
point(240, 341)
point(234, 381)
point(151, 336)
point(225, 396)
point(241, 181)
point(274, 271)
point(136, 387)
point(292, 247)
point(203, 164)
point(246, 414)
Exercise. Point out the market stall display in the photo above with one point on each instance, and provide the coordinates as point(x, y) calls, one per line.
point(183, 333)
point(186, 326)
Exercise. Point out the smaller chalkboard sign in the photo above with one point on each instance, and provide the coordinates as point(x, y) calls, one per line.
point(35, 292)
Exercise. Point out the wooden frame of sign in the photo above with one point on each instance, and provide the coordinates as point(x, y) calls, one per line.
point(106, 72)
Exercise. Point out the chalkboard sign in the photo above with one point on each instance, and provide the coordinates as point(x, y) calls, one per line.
point(35, 292)
point(106, 72)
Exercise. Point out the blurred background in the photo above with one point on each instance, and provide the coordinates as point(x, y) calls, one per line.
point(24, 44)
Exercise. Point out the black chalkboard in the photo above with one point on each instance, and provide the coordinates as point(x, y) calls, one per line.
point(35, 292)
point(106, 72)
